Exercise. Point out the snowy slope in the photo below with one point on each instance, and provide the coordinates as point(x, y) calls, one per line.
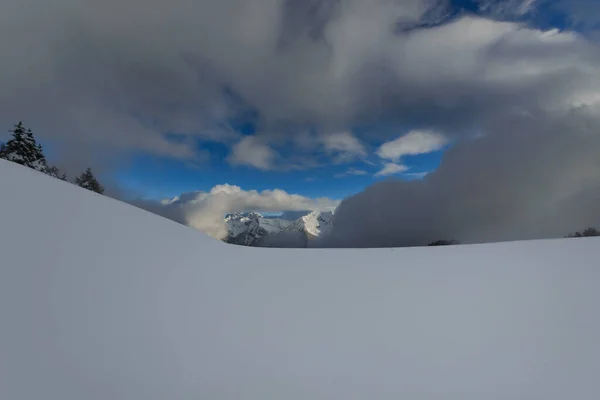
point(100, 300)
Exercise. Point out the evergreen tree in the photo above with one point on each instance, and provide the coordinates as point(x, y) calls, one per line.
point(23, 149)
point(87, 180)
point(589, 232)
point(55, 173)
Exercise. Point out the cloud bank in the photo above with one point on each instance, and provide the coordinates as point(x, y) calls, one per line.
point(534, 176)
point(205, 211)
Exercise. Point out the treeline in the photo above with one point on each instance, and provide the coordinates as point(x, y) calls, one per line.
point(588, 232)
point(444, 243)
point(23, 149)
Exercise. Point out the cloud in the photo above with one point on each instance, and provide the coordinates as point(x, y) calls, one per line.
point(413, 143)
point(343, 146)
point(530, 176)
point(108, 78)
point(416, 175)
point(391, 169)
point(507, 8)
point(351, 171)
point(252, 152)
point(123, 80)
point(205, 211)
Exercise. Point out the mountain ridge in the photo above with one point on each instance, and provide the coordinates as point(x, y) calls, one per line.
point(254, 229)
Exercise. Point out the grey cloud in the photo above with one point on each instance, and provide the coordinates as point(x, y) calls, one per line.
point(413, 143)
point(122, 74)
point(534, 176)
point(343, 147)
point(251, 151)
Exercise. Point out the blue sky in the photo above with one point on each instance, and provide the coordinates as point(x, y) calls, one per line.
point(158, 177)
point(161, 178)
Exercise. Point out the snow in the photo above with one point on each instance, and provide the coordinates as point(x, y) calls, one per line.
point(274, 225)
point(237, 223)
point(314, 223)
point(101, 300)
point(318, 223)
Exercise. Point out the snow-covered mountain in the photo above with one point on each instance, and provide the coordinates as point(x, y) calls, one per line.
point(254, 229)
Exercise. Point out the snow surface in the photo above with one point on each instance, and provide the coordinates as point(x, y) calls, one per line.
point(100, 300)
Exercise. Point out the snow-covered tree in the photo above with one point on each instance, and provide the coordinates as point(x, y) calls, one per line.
point(87, 180)
point(23, 149)
point(55, 173)
point(589, 232)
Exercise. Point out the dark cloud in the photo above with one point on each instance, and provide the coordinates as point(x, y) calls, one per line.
point(533, 176)
point(122, 74)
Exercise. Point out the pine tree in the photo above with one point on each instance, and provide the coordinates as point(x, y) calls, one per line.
point(23, 149)
point(55, 173)
point(590, 232)
point(87, 180)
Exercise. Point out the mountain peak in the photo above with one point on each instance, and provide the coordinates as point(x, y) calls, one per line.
point(251, 229)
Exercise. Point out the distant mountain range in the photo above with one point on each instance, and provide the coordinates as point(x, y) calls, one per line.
point(291, 229)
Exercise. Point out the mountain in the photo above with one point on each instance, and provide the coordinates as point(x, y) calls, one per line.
point(254, 229)
point(102, 300)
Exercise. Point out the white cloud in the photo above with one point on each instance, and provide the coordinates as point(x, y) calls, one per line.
point(205, 211)
point(252, 152)
point(343, 146)
point(507, 8)
point(413, 143)
point(417, 175)
point(351, 171)
point(391, 169)
point(354, 171)
point(526, 6)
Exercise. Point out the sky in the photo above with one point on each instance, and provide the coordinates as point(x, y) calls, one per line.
point(413, 119)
